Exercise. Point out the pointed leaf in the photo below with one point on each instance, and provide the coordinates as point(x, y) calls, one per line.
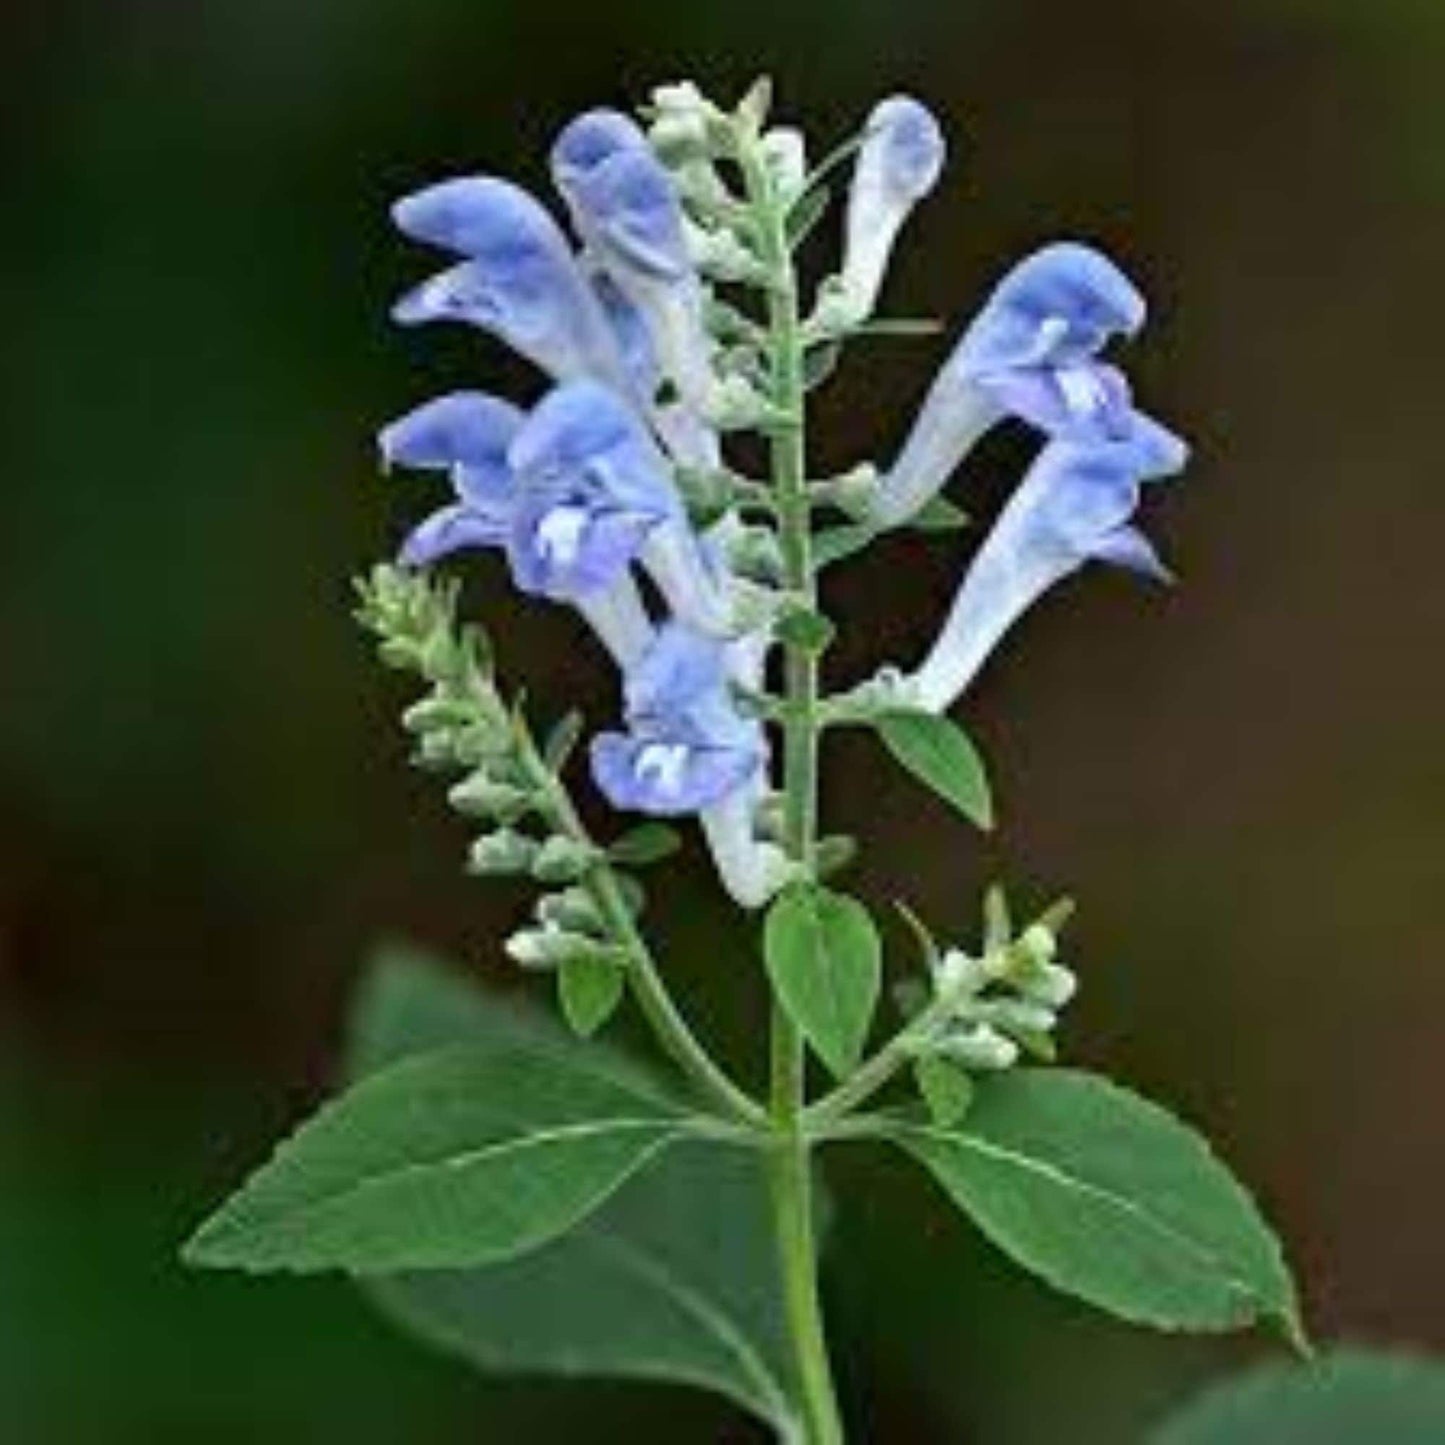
point(454, 1157)
point(823, 956)
point(937, 751)
point(1351, 1398)
point(938, 514)
point(589, 990)
point(946, 1089)
point(672, 1279)
point(644, 844)
point(805, 213)
point(1108, 1197)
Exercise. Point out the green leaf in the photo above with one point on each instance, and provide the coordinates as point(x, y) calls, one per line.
point(946, 1089)
point(805, 213)
point(589, 990)
point(672, 1279)
point(833, 544)
point(937, 751)
point(453, 1157)
point(1108, 1197)
point(644, 844)
point(1350, 1398)
point(938, 514)
point(805, 628)
point(820, 362)
point(823, 956)
point(563, 737)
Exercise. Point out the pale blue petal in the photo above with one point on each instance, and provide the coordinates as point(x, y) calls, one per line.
point(449, 530)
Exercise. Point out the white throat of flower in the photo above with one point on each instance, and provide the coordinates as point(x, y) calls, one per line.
point(1084, 394)
point(559, 534)
point(664, 763)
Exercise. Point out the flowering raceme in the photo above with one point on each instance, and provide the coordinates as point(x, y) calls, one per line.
point(676, 320)
point(587, 493)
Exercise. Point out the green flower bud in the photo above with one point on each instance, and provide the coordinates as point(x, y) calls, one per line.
point(563, 860)
point(1015, 1015)
point(437, 713)
point(501, 853)
point(980, 1047)
point(482, 795)
point(572, 909)
point(1053, 985)
point(551, 947)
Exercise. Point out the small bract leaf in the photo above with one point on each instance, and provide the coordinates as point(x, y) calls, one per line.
point(834, 544)
point(1108, 1197)
point(946, 1089)
point(824, 958)
point(805, 213)
point(644, 844)
point(938, 752)
point(589, 990)
point(562, 739)
point(938, 514)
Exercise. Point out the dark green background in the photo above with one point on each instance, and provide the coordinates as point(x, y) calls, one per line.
point(204, 813)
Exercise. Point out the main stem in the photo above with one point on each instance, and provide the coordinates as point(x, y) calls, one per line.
point(790, 1166)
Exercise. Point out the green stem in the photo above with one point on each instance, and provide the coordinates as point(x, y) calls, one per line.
point(644, 980)
point(790, 1165)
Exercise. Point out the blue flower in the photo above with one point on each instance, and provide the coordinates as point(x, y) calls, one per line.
point(898, 164)
point(687, 748)
point(626, 207)
point(590, 488)
point(1032, 352)
point(1074, 506)
point(623, 199)
point(467, 435)
point(520, 280)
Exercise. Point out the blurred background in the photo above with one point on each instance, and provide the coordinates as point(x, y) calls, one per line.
point(205, 816)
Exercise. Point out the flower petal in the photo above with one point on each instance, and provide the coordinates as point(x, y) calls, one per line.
point(898, 164)
point(449, 530)
point(466, 433)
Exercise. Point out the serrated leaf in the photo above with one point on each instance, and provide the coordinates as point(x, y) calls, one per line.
point(1349, 1398)
point(938, 752)
point(450, 1158)
point(589, 990)
point(945, 1088)
point(644, 844)
point(824, 958)
point(672, 1279)
point(1108, 1197)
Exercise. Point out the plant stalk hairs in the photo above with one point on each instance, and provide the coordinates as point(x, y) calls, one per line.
point(509, 1186)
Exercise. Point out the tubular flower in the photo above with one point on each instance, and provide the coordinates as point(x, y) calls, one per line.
point(572, 545)
point(465, 434)
point(1032, 353)
point(1074, 506)
point(626, 207)
point(519, 281)
point(898, 164)
point(686, 748)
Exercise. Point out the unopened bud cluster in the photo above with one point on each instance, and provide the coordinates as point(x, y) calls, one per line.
point(989, 1011)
